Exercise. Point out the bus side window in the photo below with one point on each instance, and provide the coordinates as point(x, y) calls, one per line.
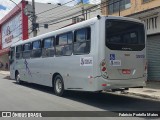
point(82, 41)
point(36, 49)
point(26, 50)
point(64, 44)
point(48, 47)
point(19, 52)
point(12, 53)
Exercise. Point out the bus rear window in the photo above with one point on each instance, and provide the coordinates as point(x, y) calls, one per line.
point(124, 35)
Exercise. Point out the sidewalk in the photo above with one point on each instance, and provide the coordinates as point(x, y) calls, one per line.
point(152, 89)
point(4, 72)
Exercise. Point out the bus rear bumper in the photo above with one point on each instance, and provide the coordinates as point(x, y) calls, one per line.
point(105, 84)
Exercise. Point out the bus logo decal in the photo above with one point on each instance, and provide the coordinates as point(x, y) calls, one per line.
point(27, 68)
point(86, 61)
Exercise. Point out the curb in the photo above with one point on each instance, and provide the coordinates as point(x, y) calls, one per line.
point(154, 97)
point(4, 73)
point(138, 95)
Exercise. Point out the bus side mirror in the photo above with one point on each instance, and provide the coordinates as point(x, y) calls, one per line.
point(11, 61)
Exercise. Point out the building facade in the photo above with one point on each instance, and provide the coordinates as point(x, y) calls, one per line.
point(149, 12)
point(16, 26)
point(13, 27)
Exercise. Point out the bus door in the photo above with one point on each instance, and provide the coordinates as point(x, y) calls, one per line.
point(12, 62)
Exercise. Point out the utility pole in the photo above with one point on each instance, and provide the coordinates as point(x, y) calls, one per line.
point(83, 10)
point(34, 24)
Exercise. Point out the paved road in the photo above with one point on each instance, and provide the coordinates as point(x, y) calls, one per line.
point(31, 97)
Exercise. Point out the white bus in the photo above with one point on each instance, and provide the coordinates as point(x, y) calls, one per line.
point(103, 53)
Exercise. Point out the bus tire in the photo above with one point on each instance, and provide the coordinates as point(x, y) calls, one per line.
point(18, 79)
point(58, 85)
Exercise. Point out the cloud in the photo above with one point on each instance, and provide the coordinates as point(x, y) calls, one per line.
point(8, 5)
point(2, 7)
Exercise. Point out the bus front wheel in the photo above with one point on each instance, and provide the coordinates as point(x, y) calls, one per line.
point(58, 85)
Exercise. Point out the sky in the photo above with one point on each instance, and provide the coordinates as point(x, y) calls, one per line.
point(7, 5)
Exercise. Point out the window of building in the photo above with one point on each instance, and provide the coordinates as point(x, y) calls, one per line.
point(64, 44)
point(26, 50)
point(151, 23)
point(82, 41)
point(48, 47)
point(118, 5)
point(36, 49)
point(145, 1)
point(19, 52)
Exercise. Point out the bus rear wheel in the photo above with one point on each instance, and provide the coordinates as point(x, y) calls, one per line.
point(58, 85)
point(18, 79)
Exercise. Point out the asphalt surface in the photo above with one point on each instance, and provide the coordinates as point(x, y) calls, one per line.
point(32, 97)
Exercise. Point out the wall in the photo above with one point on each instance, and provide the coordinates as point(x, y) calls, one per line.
point(136, 6)
point(11, 31)
point(57, 16)
point(13, 27)
point(3, 60)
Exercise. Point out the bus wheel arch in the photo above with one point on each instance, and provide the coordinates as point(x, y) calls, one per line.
point(58, 84)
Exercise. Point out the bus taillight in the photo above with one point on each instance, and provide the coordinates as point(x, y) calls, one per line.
point(103, 68)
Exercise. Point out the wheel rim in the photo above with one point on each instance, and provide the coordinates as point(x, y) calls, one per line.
point(58, 85)
point(18, 78)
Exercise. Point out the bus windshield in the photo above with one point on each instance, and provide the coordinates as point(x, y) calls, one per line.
point(125, 35)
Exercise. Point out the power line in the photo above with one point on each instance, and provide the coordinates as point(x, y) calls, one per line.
point(77, 15)
point(30, 31)
point(54, 20)
point(15, 3)
point(71, 17)
point(62, 11)
point(54, 7)
point(61, 17)
point(59, 12)
point(68, 18)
